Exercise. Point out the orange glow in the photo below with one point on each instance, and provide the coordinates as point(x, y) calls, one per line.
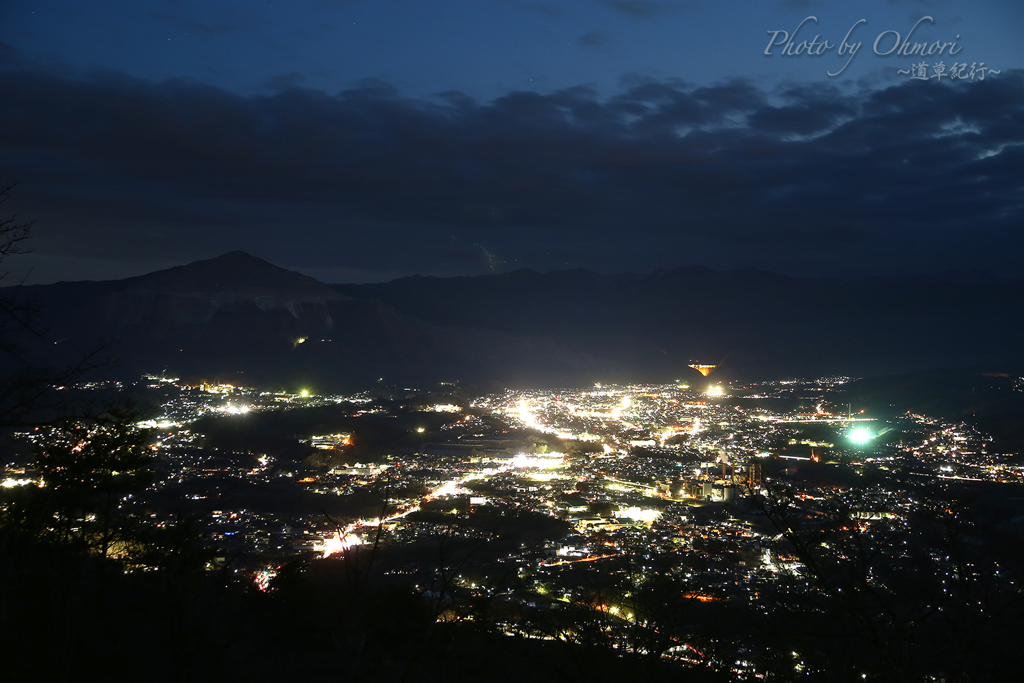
point(582, 559)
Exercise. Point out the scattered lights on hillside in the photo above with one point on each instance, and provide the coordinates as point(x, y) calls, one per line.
point(263, 577)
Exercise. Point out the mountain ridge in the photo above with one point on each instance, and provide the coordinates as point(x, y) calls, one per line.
point(237, 314)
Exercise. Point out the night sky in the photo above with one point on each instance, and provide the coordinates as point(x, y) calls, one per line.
point(363, 140)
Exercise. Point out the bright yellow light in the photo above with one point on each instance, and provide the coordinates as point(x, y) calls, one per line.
point(715, 390)
point(420, 430)
point(449, 488)
point(644, 515)
point(304, 393)
point(337, 544)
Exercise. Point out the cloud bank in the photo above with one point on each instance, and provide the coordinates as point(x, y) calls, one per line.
point(369, 183)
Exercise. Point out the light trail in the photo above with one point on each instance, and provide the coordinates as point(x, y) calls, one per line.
point(345, 539)
point(582, 559)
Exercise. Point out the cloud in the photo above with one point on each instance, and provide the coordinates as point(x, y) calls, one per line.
point(809, 178)
point(808, 110)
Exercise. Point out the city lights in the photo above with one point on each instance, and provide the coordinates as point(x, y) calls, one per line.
point(860, 436)
point(654, 477)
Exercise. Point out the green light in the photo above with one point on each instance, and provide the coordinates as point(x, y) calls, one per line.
point(860, 435)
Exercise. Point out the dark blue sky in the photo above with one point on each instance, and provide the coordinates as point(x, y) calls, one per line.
point(362, 140)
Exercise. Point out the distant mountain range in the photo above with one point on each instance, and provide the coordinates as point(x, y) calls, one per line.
point(239, 318)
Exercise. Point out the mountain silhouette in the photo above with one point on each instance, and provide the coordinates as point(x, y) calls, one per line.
point(239, 318)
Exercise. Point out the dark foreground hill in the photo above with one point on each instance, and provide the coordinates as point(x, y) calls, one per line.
point(239, 318)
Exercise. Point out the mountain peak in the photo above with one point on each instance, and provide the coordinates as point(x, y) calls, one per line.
point(236, 255)
point(235, 272)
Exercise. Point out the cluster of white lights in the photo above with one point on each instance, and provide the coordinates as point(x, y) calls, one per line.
point(644, 515)
point(860, 435)
point(156, 424)
point(524, 461)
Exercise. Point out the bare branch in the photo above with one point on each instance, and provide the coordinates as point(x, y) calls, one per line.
point(12, 231)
